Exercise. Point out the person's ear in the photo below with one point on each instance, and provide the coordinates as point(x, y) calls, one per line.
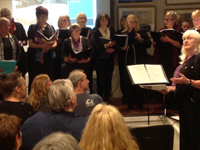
point(80, 83)
point(72, 99)
point(17, 89)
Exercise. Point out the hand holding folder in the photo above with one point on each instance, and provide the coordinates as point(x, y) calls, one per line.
point(7, 66)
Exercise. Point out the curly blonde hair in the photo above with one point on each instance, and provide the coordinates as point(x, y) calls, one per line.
point(109, 131)
point(38, 89)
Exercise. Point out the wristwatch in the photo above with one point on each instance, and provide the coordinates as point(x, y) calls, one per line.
point(190, 82)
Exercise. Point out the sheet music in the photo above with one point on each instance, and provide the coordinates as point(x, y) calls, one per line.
point(156, 74)
point(141, 77)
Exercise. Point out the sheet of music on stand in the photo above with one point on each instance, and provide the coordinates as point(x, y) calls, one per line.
point(151, 77)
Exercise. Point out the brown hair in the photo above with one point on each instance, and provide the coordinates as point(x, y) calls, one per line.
point(41, 11)
point(8, 83)
point(99, 17)
point(9, 129)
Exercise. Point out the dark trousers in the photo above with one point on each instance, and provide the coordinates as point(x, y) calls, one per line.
point(104, 70)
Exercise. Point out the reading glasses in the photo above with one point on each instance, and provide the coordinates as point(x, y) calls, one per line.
point(196, 20)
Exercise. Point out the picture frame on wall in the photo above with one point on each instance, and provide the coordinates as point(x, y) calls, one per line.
point(146, 16)
point(134, 1)
point(178, 2)
point(184, 15)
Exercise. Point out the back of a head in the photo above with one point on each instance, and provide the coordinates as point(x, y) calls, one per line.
point(75, 76)
point(9, 129)
point(58, 141)
point(59, 94)
point(8, 83)
point(109, 130)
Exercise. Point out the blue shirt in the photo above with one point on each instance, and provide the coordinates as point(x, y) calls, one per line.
point(42, 124)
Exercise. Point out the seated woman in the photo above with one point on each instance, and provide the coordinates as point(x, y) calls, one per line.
point(17, 29)
point(71, 48)
point(63, 24)
point(9, 49)
point(13, 88)
point(38, 97)
point(41, 56)
point(10, 133)
point(109, 131)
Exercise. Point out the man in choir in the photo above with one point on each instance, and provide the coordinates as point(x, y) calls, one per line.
point(85, 102)
point(10, 134)
point(62, 102)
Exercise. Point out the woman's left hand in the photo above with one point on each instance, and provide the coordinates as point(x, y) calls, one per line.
point(83, 61)
point(138, 37)
point(165, 39)
point(181, 80)
point(110, 50)
point(16, 68)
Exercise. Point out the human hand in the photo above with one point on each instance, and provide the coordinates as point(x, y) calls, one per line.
point(16, 68)
point(110, 50)
point(123, 48)
point(153, 43)
point(165, 39)
point(109, 44)
point(71, 59)
point(169, 89)
point(138, 37)
point(181, 80)
point(1, 70)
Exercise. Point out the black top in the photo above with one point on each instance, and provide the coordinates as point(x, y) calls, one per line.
point(8, 51)
point(67, 48)
point(20, 109)
point(100, 51)
point(85, 31)
point(188, 70)
point(43, 106)
point(136, 48)
point(20, 32)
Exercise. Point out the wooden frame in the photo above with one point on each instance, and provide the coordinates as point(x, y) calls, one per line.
point(134, 1)
point(178, 2)
point(146, 15)
point(184, 15)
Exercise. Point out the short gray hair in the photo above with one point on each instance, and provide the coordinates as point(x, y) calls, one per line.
point(58, 141)
point(75, 76)
point(2, 20)
point(74, 26)
point(59, 94)
point(78, 15)
point(5, 11)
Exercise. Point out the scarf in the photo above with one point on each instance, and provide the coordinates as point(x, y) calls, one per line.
point(76, 46)
point(40, 52)
point(12, 26)
point(13, 44)
point(178, 69)
point(106, 34)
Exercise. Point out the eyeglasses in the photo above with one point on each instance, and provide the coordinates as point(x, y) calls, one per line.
point(168, 20)
point(132, 22)
point(82, 18)
point(76, 31)
point(196, 20)
point(43, 17)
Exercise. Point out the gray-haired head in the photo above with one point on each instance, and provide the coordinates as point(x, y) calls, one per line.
point(81, 14)
point(5, 12)
point(58, 141)
point(2, 20)
point(59, 94)
point(75, 26)
point(75, 76)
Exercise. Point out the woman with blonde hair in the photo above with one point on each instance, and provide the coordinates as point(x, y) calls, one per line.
point(109, 131)
point(37, 97)
point(196, 19)
point(134, 53)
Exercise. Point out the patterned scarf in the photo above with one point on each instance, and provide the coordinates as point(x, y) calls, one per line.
point(12, 26)
point(13, 44)
point(40, 52)
point(76, 46)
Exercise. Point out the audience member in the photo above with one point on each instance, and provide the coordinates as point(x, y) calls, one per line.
point(17, 29)
point(13, 88)
point(58, 141)
point(62, 101)
point(85, 102)
point(109, 131)
point(10, 134)
point(196, 19)
point(38, 94)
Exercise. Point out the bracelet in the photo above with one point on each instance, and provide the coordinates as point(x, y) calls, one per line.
point(190, 82)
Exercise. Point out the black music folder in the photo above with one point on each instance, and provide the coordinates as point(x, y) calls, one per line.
point(81, 55)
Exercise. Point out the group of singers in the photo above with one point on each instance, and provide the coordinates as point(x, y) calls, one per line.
point(56, 59)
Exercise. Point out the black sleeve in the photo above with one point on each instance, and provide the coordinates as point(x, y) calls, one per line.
point(87, 45)
point(24, 37)
point(98, 46)
point(31, 32)
point(66, 48)
point(145, 41)
point(18, 51)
